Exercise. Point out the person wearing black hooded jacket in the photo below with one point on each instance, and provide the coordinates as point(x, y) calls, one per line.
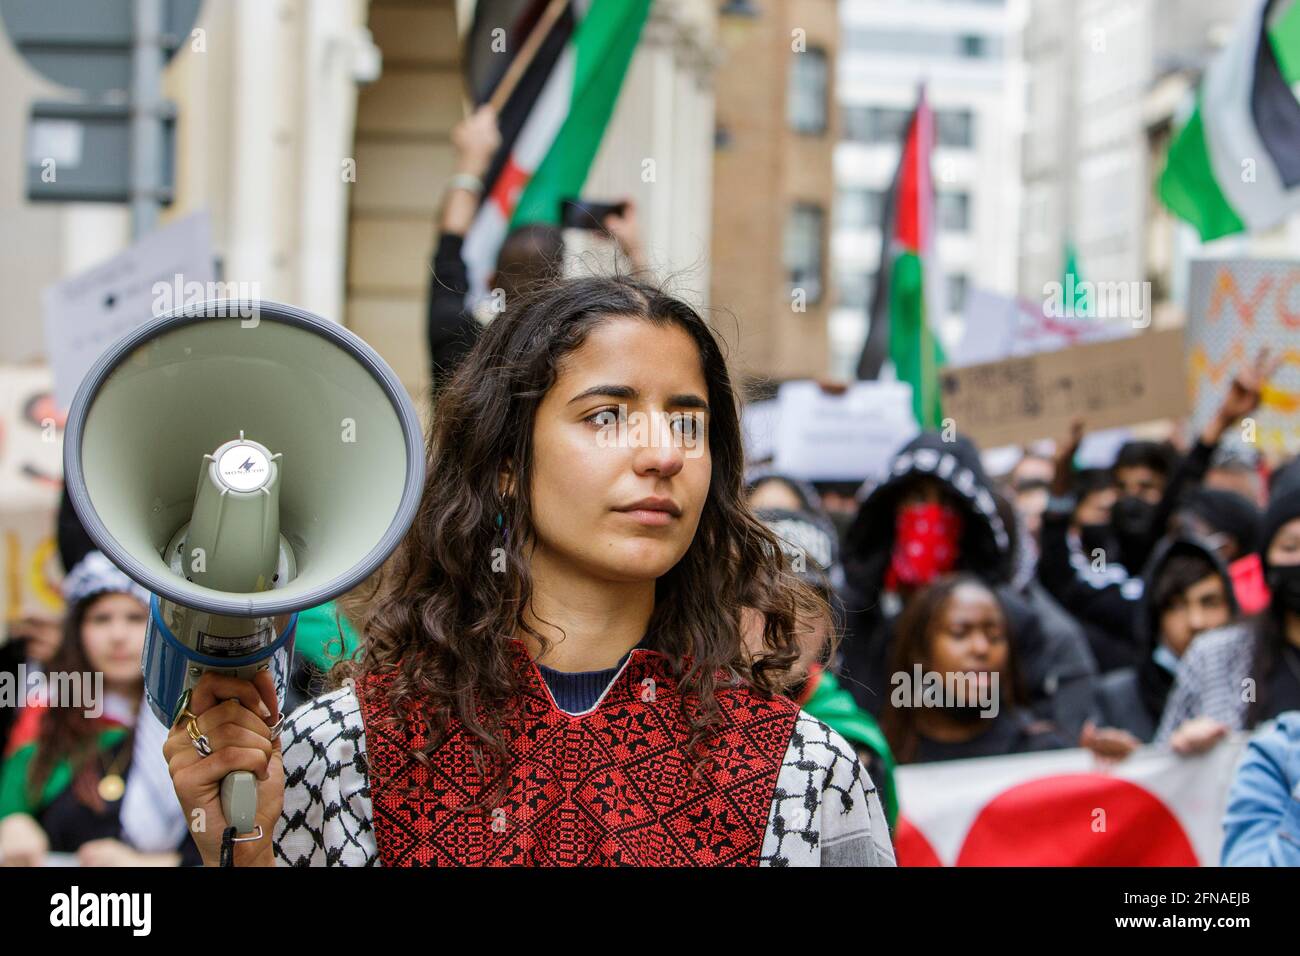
point(1187, 591)
point(936, 513)
point(1103, 601)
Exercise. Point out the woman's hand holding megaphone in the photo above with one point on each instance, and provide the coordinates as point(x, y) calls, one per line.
point(236, 717)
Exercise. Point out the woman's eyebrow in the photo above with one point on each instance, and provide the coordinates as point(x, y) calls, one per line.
point(688, 401)
point(613, 391)
point(627, 391)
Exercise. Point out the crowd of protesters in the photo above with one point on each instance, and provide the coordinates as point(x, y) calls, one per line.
point(1154, 600)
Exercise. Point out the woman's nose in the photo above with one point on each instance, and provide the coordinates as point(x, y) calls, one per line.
point(661, 451)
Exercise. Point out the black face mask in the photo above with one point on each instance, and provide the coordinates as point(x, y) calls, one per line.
point(1284, 582)
point(1098, 537)
point(1133, 517)
point(842, 521)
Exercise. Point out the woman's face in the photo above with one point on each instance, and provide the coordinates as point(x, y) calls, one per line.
point(621, 462)
point(1284, 549)
point(970, 635)
point(112, 633)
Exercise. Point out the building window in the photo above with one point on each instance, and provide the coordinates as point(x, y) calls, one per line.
point(853, 288)
point(954, 211)
point(875, 124)
point(804, 238)
point(858, 208)
point(926, 43)
point(954, 128)
point(807, 96)
point(956, 292)
point(883, 124)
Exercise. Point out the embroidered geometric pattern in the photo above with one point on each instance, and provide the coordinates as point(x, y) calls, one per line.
point(613, 786)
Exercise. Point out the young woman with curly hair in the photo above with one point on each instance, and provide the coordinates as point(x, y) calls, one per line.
point(552, 669)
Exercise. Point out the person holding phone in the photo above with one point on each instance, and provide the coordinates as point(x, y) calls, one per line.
point(553, 670)
point(532, 253)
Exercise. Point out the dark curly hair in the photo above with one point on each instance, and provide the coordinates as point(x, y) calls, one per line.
point(440, 622)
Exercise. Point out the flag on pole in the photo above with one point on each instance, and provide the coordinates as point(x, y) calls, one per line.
point(554, 119)
point(911, 296)
point(1074, 293)
point(1235, 165)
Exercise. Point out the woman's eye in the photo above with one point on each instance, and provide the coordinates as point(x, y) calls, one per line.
point(604, 417)
point(689, 427)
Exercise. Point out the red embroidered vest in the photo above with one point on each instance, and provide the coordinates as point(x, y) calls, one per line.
point(610, 787)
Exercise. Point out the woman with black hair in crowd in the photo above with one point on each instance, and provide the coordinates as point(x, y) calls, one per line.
point(1238, 677)
point(87, 776)
point(552, 669)
point(957, 690)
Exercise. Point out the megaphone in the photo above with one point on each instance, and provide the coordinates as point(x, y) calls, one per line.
point(241, 460)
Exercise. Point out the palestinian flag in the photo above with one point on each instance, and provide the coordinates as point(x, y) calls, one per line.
point(909, 298)
point(552, 124)
point(1235, 165)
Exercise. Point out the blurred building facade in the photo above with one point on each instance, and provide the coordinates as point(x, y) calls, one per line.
point(966, 53)
point(1109, 82)
point(316, 133)
point(772, 287)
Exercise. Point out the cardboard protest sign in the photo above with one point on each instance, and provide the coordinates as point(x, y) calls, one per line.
point(847, 437)
point(1234, 308)
point(1112, 383)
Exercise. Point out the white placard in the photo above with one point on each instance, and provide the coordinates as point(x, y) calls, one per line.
point(848, 437)
point(758, 423)
point(86, 313)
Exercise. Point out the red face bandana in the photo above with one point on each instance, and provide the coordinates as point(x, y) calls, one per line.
point(926, 540)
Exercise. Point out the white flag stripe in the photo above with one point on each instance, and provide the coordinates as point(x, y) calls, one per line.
point(942, 800)
point(535, 139)
point(1257, 195)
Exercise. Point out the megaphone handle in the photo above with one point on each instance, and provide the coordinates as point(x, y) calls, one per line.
point(239, 801)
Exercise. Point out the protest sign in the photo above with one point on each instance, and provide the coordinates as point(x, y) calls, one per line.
point(847, 437)
point(1108, 384)
point(996, 326)
point(1235, 307)
point(31, 473)
point(86, 313)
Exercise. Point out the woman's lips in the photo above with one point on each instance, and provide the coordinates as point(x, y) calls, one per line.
point(649, 518)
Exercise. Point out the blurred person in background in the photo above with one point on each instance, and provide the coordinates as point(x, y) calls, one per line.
point(1143, 472)
point(1146, 502)
point(1238, 468)
point(840, 503)
point(1187, 591)
point(1226, 521)
point(1028, 485)
point(1099, 581)
point(1262, 823)
point(96, 786)
point(1072, 699)
point(531, 254)
point(954, 628)
point(28, 645)
point(1238, 677)
point(812, 546)
point(934, 514)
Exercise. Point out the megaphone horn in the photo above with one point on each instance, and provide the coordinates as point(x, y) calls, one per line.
point(241, 471)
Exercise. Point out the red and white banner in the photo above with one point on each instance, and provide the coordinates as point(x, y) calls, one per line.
point(1062, 808)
